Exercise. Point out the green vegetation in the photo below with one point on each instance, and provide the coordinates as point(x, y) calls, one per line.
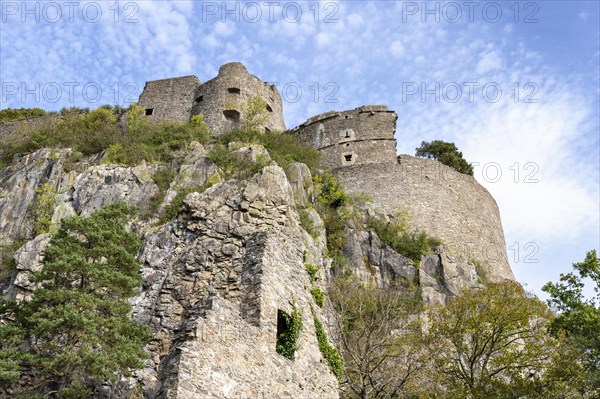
point(154, 141)
point(318, 296)
point(288, 327)
point(446, 153)
point(171, 211)
point(76, 329)
point(254, 113)
point(7, 261)
point(481, 273)
point(15, 114)
point(380, 338)
point(493, 343)
point(334, 207)
point(312, 272)
point(307, 223)
point(235, 165)
point(91, 132)
point(329, 352)
point(396, 233)
point(283, 148)
point(579, 318)
point(41, 208)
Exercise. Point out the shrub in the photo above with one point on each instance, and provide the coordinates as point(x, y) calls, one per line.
point(283, 148)
point(12, 114)
point(318, 296)
point(396, 234)
point(90, 132)
point(329, 352)
point(171, 211)
point(7, 261)
point(307, 223)
point(42, 208)
point(289, 327)
point(234, 165)
point(312, 272)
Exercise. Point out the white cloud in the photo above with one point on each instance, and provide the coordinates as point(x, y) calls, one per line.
point(397, 48)
point(489, 61)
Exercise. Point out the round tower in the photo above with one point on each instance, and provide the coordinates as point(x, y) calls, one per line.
point(364, 135)
point(220, 100)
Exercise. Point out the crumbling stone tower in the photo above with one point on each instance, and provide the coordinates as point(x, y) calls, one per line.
point(219, 100)
point(364, 135)
point(169, 99)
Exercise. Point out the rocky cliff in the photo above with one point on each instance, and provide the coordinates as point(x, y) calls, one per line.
point(216, 277)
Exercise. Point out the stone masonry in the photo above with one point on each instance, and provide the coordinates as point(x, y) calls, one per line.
point(169, 99)
point(219, 101)
point(361, 136)
point(360, 148)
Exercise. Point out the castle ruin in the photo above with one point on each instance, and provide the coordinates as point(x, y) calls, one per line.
point(219, 101)
point(360, 148)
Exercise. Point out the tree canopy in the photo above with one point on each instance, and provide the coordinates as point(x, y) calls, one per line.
point(579, 317)
point(446, 153)
point(76, 329)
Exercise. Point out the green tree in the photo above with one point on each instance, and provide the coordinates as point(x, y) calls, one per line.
point(493, 343)
point(76, 329)
point(446, 153)
point(579, 318)
point(254, 113)
point(380, 340)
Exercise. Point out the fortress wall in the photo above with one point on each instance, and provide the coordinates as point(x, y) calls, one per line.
point(365, 133)
point(441, 201)
point(220, 99)
point(169, 99)
point(359, 152)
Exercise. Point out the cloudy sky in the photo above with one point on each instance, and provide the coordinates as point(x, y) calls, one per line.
point(514, 84)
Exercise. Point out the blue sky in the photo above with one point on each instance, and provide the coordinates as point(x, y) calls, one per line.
point(514, 84)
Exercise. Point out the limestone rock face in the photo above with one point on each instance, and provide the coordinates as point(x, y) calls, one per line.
point(214, 281)
point(442, 276)
point(28, 260)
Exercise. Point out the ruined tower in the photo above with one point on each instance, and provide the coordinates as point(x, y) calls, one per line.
point(169, 99)
point(364, 135)
point(219, 101)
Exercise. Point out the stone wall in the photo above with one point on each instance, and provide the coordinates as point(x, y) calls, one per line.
point(361, 136)
point(169, 99)
point(220, 99)
point(442, 202)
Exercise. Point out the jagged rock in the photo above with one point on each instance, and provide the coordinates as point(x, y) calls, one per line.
point(101, 185)
point(301, 180)
point(29, 260)
point(19, 182)
point(196, 168)
point(252, 152)
point(372, 260)
point(442, 276)
point(214, 280)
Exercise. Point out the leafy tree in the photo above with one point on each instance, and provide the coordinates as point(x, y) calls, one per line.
point(76, 329)
point(579, 318)
point(446, 153)
point(379, 341)
point(493, 343)
point(12, 114)
point(254, 113)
